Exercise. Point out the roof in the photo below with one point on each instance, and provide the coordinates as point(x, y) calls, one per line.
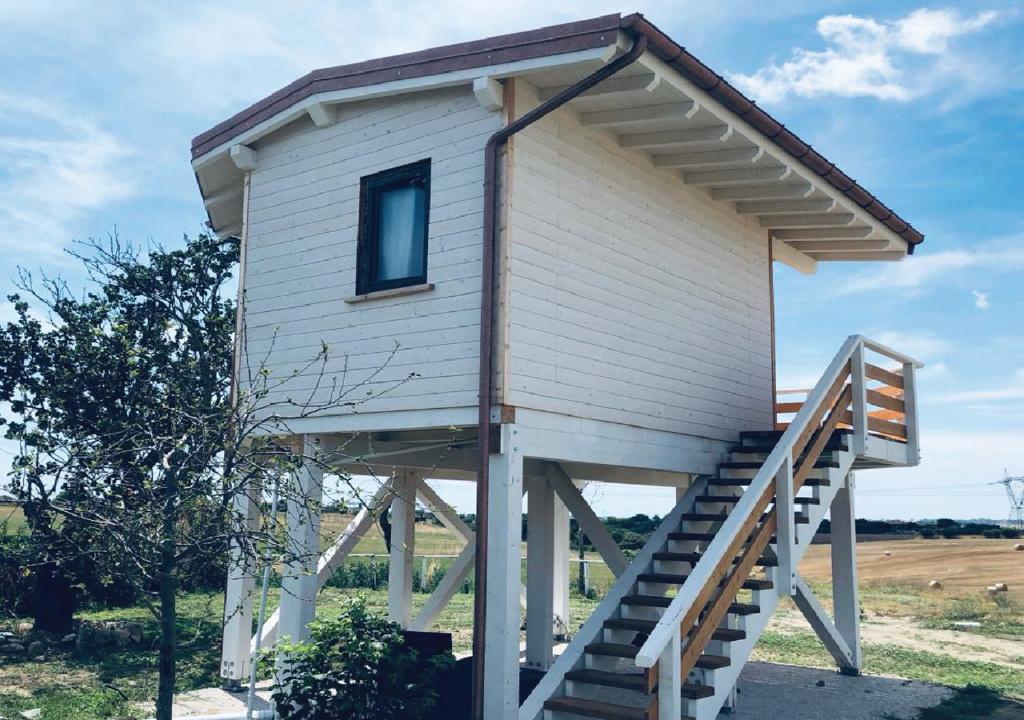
point(554, 40)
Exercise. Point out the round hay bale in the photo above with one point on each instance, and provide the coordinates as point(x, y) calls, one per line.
point(1000, 587)
point(888, 553)
point(991, 591)
point(1019, 547)
point(935, 585)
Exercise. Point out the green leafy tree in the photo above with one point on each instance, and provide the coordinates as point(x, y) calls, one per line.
point(357, 667)
point(134, 444)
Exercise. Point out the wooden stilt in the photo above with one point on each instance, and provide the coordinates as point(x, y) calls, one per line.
point(299, 584)
point(501, 662)
point(403, 542)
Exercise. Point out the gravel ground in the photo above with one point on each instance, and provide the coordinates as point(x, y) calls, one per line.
point(768, 691)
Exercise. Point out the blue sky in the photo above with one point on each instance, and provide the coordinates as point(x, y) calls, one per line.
point(923, 104)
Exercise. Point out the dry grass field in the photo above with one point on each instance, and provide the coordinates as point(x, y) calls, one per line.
point(965, 566)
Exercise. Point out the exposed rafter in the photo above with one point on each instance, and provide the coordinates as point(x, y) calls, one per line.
point(711, 134)
point(739, 176)
point(646, 82)
point(809, 220)
point(709, 158)
point(639, 115)
point(782, 207)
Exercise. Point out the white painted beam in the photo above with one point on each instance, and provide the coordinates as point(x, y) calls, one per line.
point(444, 512)
point(739, 176)
point(489, 93)
point(793, 258)
point(587, 519)
point(238, 599)
point(792, 190)
point(822, 625)
point(885, 255)
point(777, 222)
point(632, 83)
point(830, 246)
point(454, 576)
point(785, 207)
point(299, 584)
point(322, 115)
point(845, 596)
point(639, 115)
point(243, 156)
point(709, 158)
point(504, 535)
point(560, 563)
point(711, 134)
point(833, 233)
point(403, 544)
point(540, 565)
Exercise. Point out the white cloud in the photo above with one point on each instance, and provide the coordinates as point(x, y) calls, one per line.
point(924, 346)
point(915, 273)
point(1011, 389)
point(981, 300)
point(55, 165)
point(865, 57)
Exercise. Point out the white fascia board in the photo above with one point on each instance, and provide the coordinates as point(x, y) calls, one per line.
point(419, 84)
point(727, 116)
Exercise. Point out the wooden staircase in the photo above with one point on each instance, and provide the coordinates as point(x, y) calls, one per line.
point(608, 684)
point(670, 638)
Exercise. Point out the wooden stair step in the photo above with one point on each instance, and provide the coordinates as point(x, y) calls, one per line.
point(606, 678)
point(676, 579)
point(756, 465)
point(731, 481)
point(695, 536)
point(692, 691)
point(836, 443)
point(741, 608)
point(645, 627)
point(730, 499)
point(692, 557)
point(610, 649)
point(773, 436)
point(713, 662)
point(598, 709)
point(705, 517)
point(647, 601)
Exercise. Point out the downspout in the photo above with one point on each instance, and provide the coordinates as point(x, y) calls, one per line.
point(492, 152)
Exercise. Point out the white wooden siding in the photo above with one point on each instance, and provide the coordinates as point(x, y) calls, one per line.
point(632, 298)
point(404, 353)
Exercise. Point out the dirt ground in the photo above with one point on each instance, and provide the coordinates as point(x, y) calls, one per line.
point(963, 566)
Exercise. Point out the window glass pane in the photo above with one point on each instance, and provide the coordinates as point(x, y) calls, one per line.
point(400, 227)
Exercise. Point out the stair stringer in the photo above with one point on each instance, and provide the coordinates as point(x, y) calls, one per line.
point(553, 683)
point(724, 679)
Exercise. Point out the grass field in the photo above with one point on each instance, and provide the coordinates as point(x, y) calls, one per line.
point(908, 630)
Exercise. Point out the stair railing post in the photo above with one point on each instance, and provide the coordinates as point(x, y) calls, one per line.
point(670, 681)
point(785, 528)
point(858, 384)
point(910, 412)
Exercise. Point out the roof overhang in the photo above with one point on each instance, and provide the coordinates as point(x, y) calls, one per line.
point(687, 121)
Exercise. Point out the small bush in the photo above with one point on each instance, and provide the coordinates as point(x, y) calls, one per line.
point(928, 533)
point(1010, 533)
point(992, 533)
point(950, 532)
point(356, 667)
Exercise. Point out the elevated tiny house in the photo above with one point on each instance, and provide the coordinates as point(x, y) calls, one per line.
point(541, 259)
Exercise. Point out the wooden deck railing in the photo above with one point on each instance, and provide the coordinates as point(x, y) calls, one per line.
point(840, 398)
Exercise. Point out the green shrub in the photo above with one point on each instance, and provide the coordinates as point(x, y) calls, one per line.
point(992, 533)
point(1010, 533)
point(356, 667)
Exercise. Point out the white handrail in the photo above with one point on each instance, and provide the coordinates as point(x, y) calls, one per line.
point(890, 353)
point(668, 625)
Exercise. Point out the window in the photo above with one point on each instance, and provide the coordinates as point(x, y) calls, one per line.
point(393, 210)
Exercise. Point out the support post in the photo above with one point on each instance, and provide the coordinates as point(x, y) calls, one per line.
point(540, 565)
point(504, 534)
point(785, 532)
point(846, 601)
point(238, 596)
point(403, 545)
point(670, 680)
point(910, 413)
point(560, 569)
point(858, 383)
point(299, 584)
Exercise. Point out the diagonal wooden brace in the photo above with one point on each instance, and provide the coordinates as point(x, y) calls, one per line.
point(824, 628)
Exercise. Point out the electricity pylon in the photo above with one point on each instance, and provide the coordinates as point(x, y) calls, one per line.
point(1015, 494)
